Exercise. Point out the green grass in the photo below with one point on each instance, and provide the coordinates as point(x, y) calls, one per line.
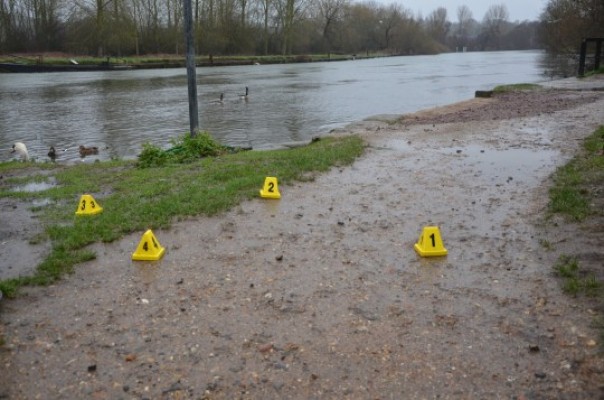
point(575, 182)
point(594, 72)
point(577, 194)
point(515, 87)
point(135, 199)
point(546, 244)
point(575, 281)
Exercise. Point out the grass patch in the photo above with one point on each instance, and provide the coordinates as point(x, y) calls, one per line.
point(136, 199)
point(546, 244)
point(593, 72)
point(516, 87)
point(577, 182)
point(574, 281)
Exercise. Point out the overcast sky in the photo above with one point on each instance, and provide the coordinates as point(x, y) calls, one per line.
point(519, 10)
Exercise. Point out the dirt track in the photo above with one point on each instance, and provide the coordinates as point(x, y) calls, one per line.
point(321, 295)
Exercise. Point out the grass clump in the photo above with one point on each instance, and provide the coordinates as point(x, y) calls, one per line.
point(575, 281)
point(185, 149)
point(185, 184)
point(577, 182)
point(516, 87)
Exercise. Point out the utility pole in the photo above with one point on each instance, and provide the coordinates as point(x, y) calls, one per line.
point(191, 73)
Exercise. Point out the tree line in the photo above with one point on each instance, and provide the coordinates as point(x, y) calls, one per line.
point(565, 23)
point(122, 28)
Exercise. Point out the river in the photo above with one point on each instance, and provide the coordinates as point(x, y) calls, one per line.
point(117, 111)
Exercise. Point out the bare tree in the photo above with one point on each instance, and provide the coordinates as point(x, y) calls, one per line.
point(330, 12)
point(494, 22)
point(438, 24)
point(566, 22)
point(464, 16)
point(265, 6)
point(289, 11)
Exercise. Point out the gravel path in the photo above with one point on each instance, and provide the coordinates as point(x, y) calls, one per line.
point(321, 295)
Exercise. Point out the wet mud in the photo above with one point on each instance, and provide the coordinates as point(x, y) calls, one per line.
point(320, 295)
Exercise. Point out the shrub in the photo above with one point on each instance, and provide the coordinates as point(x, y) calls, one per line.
point(184, 149)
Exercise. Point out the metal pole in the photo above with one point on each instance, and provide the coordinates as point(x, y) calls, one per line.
point(598, 53)
point(191, 73)
point(582, 58)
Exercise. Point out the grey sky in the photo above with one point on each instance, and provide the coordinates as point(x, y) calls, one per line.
point(519, 10)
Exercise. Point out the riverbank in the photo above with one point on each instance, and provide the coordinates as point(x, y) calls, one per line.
point(320, 294)
point(73, 63)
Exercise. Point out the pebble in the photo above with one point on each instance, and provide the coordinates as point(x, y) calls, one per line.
point(264, 348)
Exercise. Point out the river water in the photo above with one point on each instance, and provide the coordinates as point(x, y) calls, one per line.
point(117, 111)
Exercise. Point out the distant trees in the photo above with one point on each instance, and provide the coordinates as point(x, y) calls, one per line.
point(564, 23)
point(464, 19)
point(127, 27)
point(438, 25)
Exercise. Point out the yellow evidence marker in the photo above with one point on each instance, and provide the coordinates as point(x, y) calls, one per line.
point(148, 249)
point(270, 189)
point(430, 244)
point(88, 206)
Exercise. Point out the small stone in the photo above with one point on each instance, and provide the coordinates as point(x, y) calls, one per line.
point(130, 357)
point(458, 151)
point(265, 348)
point(279, 365)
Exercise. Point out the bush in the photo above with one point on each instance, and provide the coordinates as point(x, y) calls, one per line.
point(185, 149)
point(152, 156)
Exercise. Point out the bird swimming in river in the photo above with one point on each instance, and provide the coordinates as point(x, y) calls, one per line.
point(87, 151)
point(219, 101)
point(21, 150)
point(244, 96)
point(52, 153)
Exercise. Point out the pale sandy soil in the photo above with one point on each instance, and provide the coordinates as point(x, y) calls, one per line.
point(320, 295)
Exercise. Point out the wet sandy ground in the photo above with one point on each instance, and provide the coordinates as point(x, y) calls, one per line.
point(321, 295)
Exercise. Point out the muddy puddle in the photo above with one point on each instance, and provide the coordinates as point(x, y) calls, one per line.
point(33, 187)
point(19, 227)
point(321, 294)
